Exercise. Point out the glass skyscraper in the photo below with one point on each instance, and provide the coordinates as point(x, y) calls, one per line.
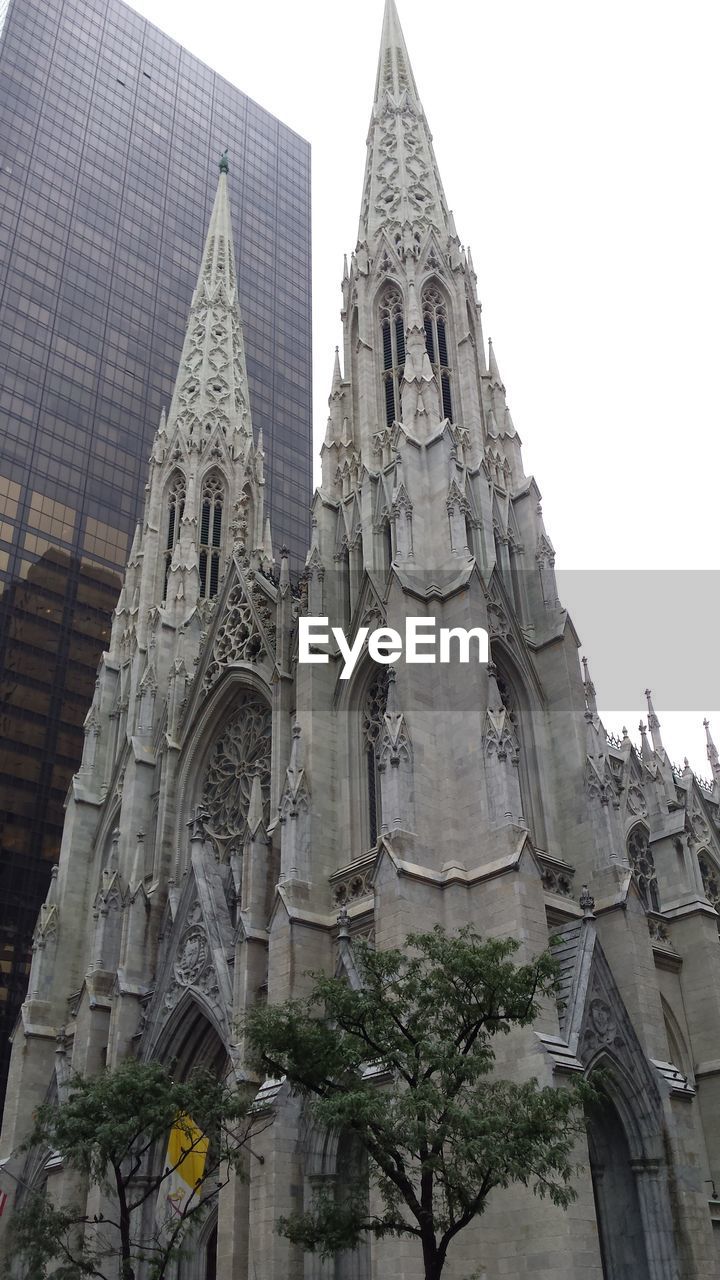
point(110, 134)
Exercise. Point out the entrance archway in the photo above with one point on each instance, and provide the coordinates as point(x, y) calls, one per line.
point(189, 1041)
point(617, 1203)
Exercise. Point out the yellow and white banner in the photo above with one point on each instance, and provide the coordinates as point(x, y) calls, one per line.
point(186, 1155)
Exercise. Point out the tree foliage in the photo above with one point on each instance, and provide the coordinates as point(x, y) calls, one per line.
point(406, 1064)
point(112, 1128)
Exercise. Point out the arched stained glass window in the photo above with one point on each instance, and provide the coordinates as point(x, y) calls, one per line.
point(436, 340)
point(210, 550)
point(392, 325)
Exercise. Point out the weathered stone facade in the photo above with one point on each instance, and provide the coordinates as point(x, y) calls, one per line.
point(239, 818)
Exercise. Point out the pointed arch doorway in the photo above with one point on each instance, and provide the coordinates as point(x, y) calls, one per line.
point(191, 1040)
point(617, 1203)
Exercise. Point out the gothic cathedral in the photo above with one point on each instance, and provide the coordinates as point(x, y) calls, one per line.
point(240, 818)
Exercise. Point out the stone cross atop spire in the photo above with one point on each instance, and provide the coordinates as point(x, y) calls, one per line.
point(211, 391)
point(402, 192)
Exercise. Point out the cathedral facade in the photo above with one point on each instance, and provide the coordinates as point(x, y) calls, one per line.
point(239, 817)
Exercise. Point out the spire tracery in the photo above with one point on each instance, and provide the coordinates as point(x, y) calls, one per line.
point(402, 189)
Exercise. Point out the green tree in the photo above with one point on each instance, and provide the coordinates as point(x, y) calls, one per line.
point(405, 1064)
point(109, 1127)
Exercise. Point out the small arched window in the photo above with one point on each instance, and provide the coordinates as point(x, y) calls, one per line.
point(436, 341)
point(373, 713)
point(643, 868)
point(392, 326)
point(211, 522)
point(175, 512)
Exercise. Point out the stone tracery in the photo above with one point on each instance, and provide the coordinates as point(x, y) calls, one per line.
point(241, 751)
point(643, 867)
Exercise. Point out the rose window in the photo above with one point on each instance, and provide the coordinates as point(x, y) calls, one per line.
point(241, 752)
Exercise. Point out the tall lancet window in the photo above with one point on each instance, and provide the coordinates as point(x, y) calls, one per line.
point(175, 511)
point(436, 341)
point(211, 521)
point(373, 712)
point(392, 325)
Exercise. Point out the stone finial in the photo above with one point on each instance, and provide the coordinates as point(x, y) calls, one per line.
point(493, 369)
point(654, 724)
point(712, 751)
point(645, 748)
point(495, 702)
point(589, 689)
point(284, 581)
point(224, 164)
point(343, 921)
point(337, 374)
point(197, 823)
point(587, 903)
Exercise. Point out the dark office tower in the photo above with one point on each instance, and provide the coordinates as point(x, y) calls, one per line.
point(110, 135)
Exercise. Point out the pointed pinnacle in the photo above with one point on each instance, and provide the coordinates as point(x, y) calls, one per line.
point(337, 373)
point(589, 689)
point(387, 199)
point(284, 569)
point(645, 748)
point(296, 751)
point(51, 898)
point(493, 364)
point(392, 703)
point(394, 70)
point(495, 702)
point(712, 751)
point(255, 809)
point(136, 544)
point(256, 812)
point(267, 542)
point(215, 309)
point(654, 724)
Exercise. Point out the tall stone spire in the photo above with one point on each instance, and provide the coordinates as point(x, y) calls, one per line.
point(206, 470)
point(402, 185)
point(211, 390)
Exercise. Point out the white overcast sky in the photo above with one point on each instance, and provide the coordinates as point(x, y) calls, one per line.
point(578, 146)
